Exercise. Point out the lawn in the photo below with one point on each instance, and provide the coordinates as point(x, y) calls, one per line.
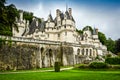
point(64, 75)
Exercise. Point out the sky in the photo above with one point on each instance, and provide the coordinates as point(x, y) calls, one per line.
point(101, 14)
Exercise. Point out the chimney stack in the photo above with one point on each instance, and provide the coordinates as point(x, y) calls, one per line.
point(70, 11)
point(58, 12)
point(21, 15)
point(96, 31)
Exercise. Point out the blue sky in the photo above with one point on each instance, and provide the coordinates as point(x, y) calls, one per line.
point(102, 14)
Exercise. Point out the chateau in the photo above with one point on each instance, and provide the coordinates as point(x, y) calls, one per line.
point(51, 34)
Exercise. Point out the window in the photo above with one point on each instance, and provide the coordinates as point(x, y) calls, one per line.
point(90, 52)
point(58, 35)
point(86, 51)
point(82, 51)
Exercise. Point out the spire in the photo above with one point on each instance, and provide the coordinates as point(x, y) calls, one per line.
point(66, 7)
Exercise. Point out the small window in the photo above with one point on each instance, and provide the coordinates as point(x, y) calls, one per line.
point(58, 35)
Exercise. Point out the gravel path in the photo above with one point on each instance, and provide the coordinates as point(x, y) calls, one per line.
point(34, 71)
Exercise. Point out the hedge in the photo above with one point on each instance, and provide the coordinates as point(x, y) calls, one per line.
point(112, 60)
point(98, 65)
point(57, 66)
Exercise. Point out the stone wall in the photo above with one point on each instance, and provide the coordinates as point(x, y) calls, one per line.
point(30, 56)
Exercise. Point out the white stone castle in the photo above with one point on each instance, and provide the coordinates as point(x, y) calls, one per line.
point(62, 29)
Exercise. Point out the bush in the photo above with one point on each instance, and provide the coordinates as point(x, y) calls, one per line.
point(98, 65)
point(57, 66)
point(83, 66)
point(112, 60)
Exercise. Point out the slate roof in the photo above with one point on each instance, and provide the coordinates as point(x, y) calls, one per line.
point(51, 18)
point(33, 27)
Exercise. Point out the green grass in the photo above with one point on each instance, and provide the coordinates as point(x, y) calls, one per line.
point(64, 75)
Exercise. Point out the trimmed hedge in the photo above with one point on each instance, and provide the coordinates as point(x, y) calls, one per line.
point(57, 66)
point(112, 60)
point(98, 65)
point(83, 66)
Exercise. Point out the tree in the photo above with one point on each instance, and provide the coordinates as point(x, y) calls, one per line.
point(102, 38)
point(110, 45)
point(117, 46)
point(79, 31)
point(86, 27)
point(28, 16)
point(7, 18)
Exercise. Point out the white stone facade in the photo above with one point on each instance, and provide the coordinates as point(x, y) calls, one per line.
point(62, 29)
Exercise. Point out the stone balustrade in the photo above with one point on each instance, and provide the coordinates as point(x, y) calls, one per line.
point(31, 40)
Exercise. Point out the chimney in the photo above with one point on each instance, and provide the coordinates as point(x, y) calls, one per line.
point(21, 15)
point(57, 12)
point(70, 11)
point(96, 31)
point(42, 20)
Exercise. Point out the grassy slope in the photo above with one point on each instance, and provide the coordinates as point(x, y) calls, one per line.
point(64, 75)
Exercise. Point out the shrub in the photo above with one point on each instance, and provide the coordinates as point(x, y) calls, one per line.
point(115, 66)
point(83, 66)
point(98, 65)
point(57, 66)
point(112, 60)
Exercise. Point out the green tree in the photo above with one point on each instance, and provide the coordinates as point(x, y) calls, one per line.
point(28, 16)
point(86, 27)
point(117, 46)
point(79, 31)
point(102, 38)
point(7, 18)
point(110, 45)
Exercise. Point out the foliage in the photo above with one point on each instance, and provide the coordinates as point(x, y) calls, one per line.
point(98, 65)
point(28, 16)
point(112, 60)
point(57, 66)
point(110, 45)
point(82, 66)
point(117, 46)
point(79, 31)
point(7, 18)
point(86, 27)
point(2, 42)
point(102, 38)
point(108, 55)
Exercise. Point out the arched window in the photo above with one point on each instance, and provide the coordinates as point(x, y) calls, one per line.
point(78, 52)
point(42, 49)
point(50, 52)
point(90, 52)
point(86, 51)
point(82, 51)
